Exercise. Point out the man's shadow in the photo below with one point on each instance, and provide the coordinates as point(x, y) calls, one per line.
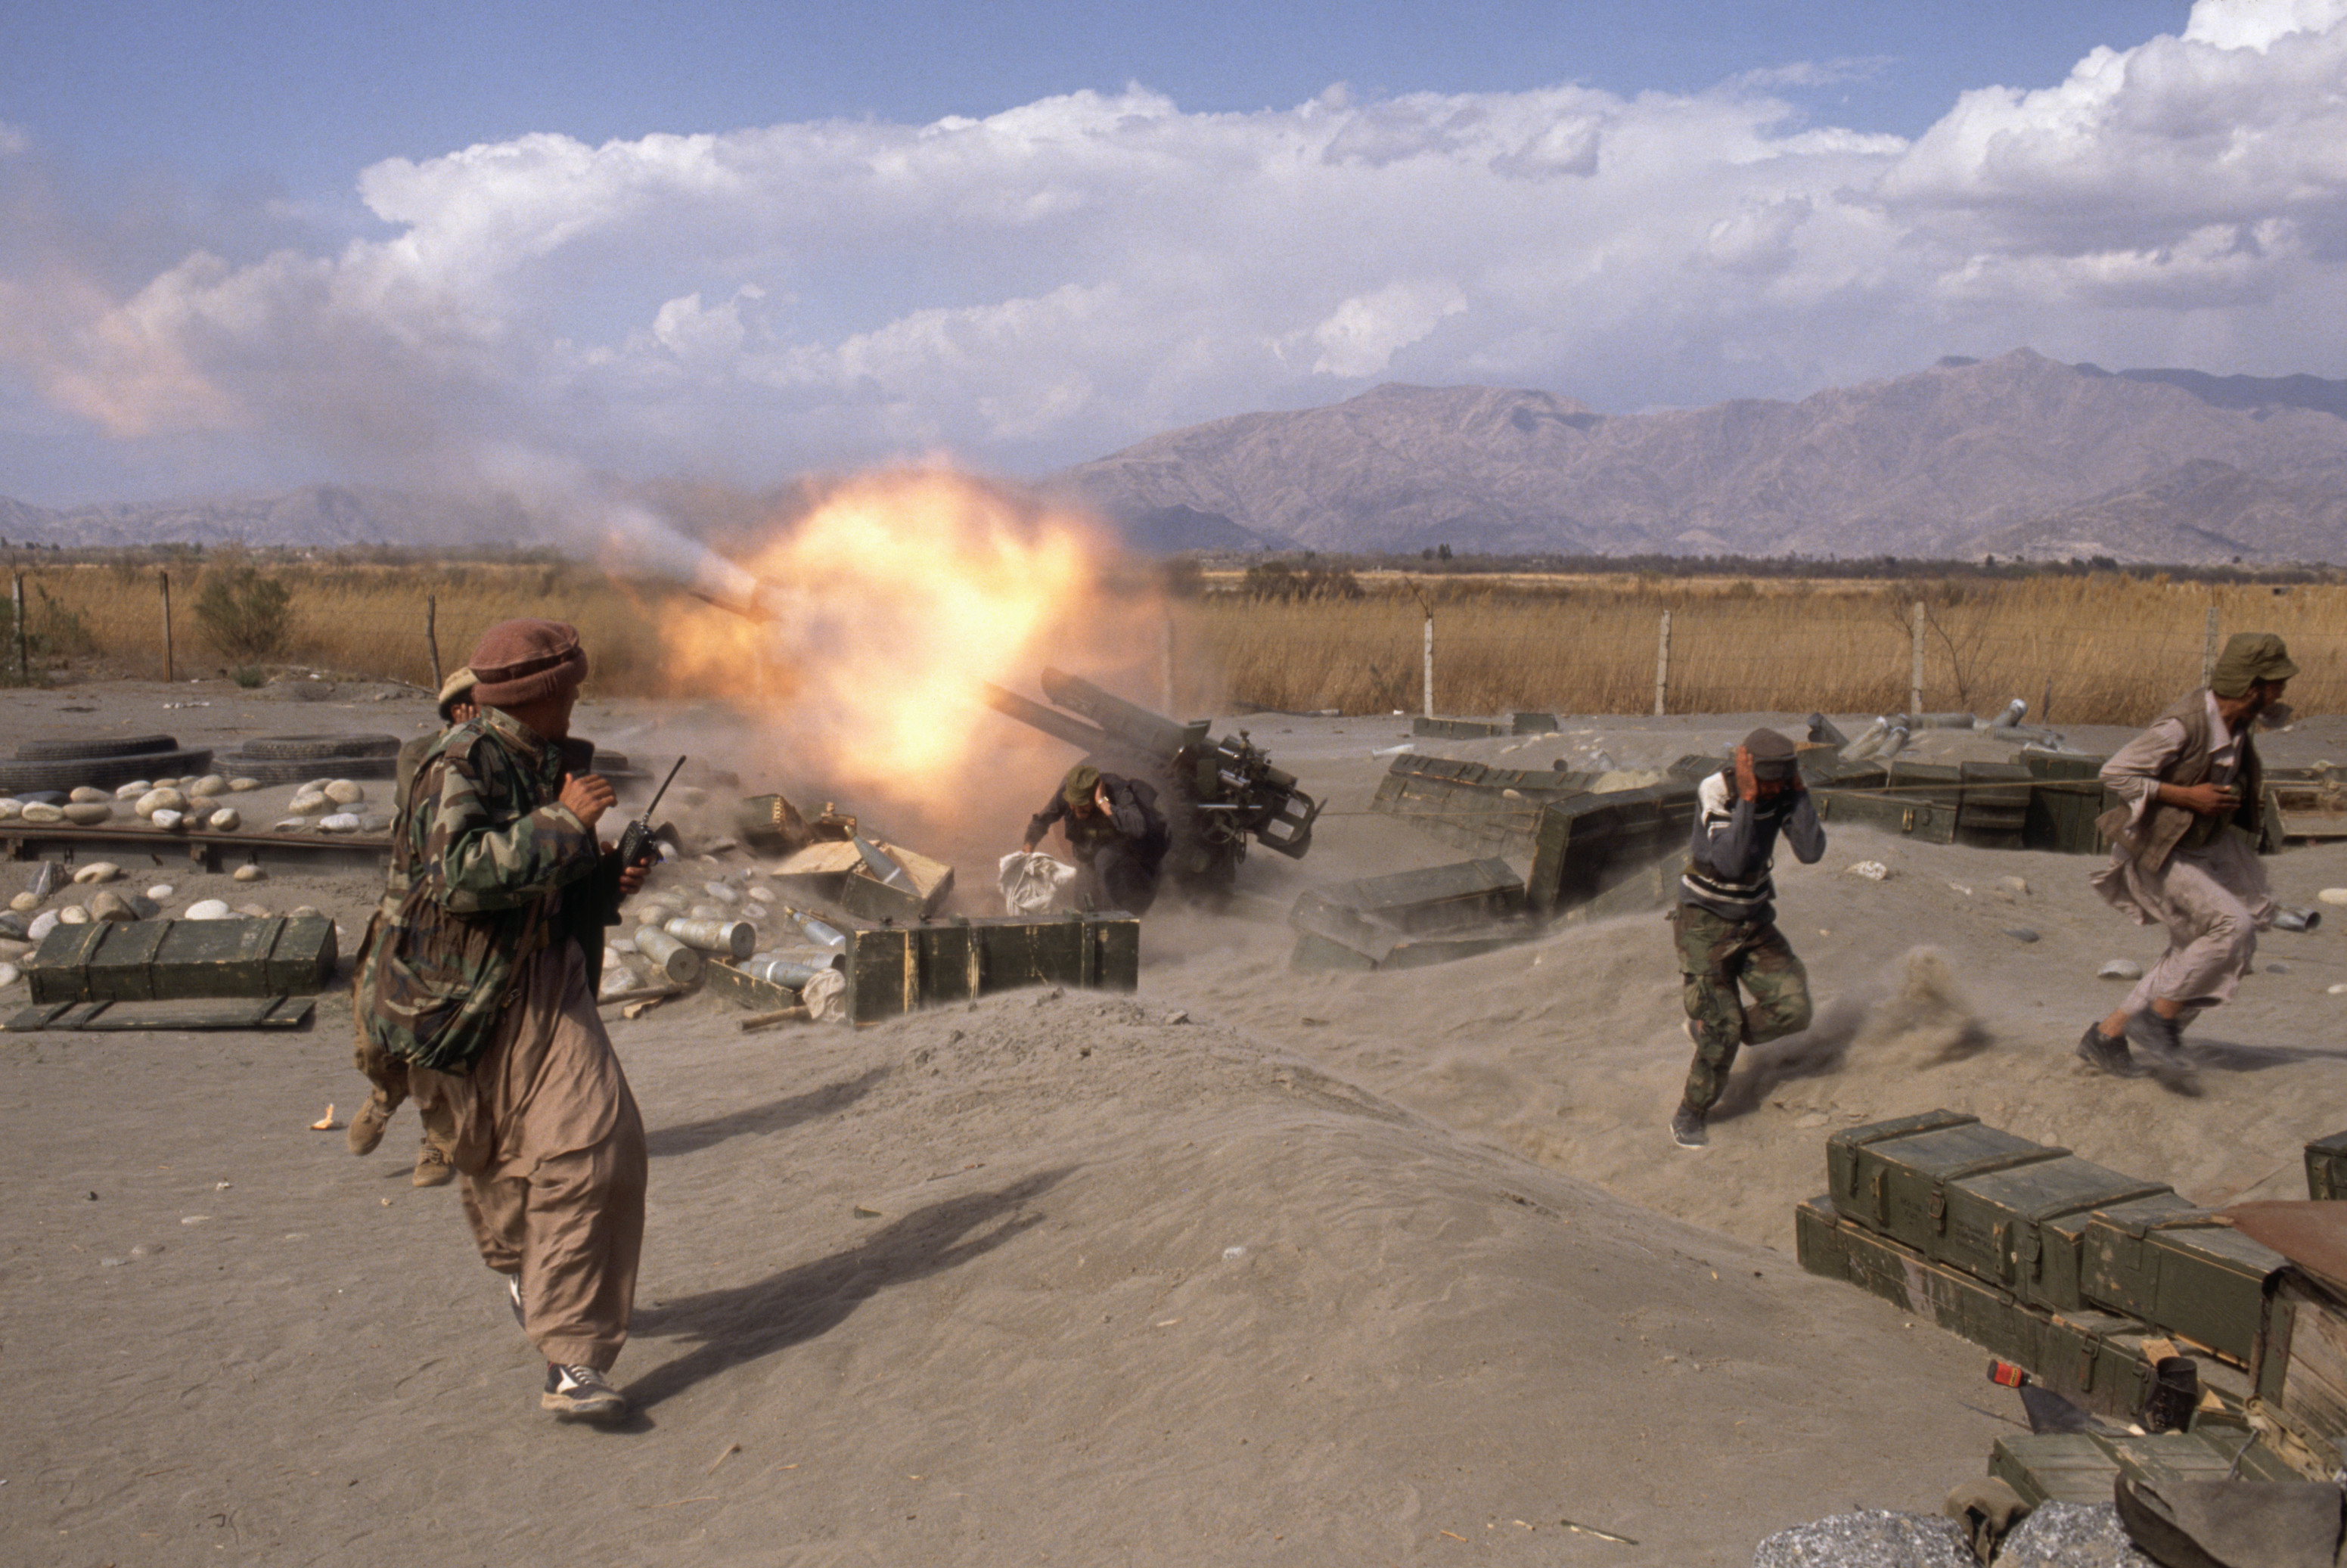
point(773, 1116)
point(746, 1322)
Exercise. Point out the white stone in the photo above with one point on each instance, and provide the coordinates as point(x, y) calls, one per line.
point(306, 912)
point(106, 905)
point(250, 874)
point(288, 824)
point(2340, 990)
point(134, 789)
point(753, 911)
point(206, 909)
point(224, 820)
point(210, 784)
point(43, 924)
point(98, 871)
point(161, 891)
point(240, 785)
point(252, 911)
point(709, 912)
point(83, 794)
point(2120, 969)
point(89, 813)
point(2334, 895)
point(724, 893)
point(763, 893)
point(343, 792)
point(9, 975)
point(166, 819)
point(308, 804)
point(160, 798)
point(341, 822)
point(25, 903)
point(10, 808)
point(73, 915)
point(37, 813)
point(166, 784)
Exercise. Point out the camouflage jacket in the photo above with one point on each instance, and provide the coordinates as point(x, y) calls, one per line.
point(482, 859)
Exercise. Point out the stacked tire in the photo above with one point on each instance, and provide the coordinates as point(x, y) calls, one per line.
point(98, 762)
point(296, 759)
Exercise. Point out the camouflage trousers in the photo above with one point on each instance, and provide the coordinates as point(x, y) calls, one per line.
point(1715, 956)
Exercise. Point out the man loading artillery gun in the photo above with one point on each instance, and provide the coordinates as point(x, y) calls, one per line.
point(1114, 831)
point(1211, 797)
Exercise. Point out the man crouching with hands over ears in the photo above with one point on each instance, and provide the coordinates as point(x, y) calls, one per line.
point(482, 982)
point(1727, 918)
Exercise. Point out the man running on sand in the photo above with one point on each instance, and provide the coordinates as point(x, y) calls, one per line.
point(2183, 854)
point(480, 983)
point(1726, 918)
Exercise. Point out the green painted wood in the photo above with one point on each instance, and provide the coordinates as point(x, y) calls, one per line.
point(1997, 1223)
point(2187, 1273)
point(1899, 1186)
point(2326, 1167)
point(1842, 1148)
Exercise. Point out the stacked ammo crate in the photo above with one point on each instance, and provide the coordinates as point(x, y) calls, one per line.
point(2082, 1276)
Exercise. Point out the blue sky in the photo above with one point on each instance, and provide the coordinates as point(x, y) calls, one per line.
point(263, 244)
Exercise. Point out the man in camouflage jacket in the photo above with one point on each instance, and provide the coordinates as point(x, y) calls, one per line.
point(478, 981)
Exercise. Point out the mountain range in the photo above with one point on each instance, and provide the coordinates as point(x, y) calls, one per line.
point(2017, 456)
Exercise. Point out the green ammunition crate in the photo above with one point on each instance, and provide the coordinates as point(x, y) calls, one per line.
point(1912, 817)
point(163, 960)
point(2185, 1273)
point(1457, 729)
point(2062, 1250)
point(1584, 846)
point(1899, 1184)
point(895, 970)
point(2084, 1467)
point(1842, 1148)
point(1817, 1239)
point(2326, 1167)
point(1947, 1298)
point(1996, 1223)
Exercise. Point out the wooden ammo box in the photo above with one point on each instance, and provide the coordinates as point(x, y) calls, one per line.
point(161, 960)
point(1455, 728)
point(2299, 1374)
point(895, 970)
point(2185, 1273)
point(1584, 846)
point(1487, 810)
point(1894, 1177)
point(2326, 1167)
point(1410, 918)
point(2003, 1224)
point(2067, 798)
point(2084, 1467)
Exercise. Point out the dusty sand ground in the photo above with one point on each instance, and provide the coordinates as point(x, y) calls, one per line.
point(1364, 1268)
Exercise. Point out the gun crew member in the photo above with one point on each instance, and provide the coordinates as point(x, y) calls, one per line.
point(1115, 833)
point(1725, 919)
point(387, 1072)
point(2183, 855)
point(481, 982)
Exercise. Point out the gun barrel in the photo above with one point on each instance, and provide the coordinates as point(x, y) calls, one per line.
point(1130, 722)
point(1075, 732)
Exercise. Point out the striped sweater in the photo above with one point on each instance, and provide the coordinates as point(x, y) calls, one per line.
point(1734, 842)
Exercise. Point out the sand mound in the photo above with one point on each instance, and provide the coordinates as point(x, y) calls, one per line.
point(1050, 1280)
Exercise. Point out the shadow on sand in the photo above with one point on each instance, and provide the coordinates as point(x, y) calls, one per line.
point(748, 1321)
point(773, 1116)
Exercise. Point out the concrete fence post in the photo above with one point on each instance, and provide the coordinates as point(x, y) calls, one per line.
point(432, 636)
point(1430, 665)
point(2208, 649)
point(1915, 686)
point(1662, 664)
point(165, 579)
point(24, 642)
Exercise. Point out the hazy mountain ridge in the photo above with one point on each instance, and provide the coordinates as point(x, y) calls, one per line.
point(2017, 455)
point(1932, 463)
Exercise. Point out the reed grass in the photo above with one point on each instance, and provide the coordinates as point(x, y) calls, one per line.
point(2105, 648)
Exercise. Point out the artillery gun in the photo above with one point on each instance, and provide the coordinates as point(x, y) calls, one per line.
point(1216, 795)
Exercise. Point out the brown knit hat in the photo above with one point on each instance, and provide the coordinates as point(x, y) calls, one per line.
point(522, 661)
point(457, 687)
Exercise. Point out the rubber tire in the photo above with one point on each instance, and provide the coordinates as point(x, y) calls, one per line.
point(294, 748)
point(300, 769)
point(103, 773)
point(66, 751)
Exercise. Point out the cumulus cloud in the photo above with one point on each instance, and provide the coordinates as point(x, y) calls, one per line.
point(1048, 284)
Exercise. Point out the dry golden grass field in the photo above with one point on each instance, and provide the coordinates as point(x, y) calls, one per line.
point(2108, 647)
